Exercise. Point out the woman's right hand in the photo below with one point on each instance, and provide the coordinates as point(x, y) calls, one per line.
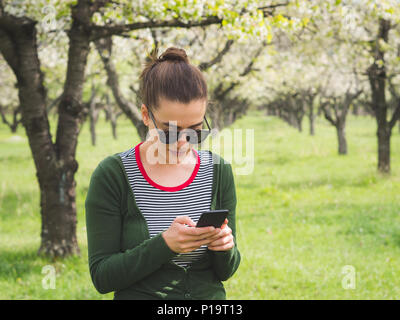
point(182, 236)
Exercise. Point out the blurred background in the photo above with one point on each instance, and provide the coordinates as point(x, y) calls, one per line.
point(317, 81)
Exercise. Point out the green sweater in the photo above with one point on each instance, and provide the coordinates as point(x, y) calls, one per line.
point(124, 259)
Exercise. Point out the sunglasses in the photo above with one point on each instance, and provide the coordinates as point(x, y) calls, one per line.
point(192, 136)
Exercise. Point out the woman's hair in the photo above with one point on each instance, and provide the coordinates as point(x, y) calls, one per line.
point(172, 77)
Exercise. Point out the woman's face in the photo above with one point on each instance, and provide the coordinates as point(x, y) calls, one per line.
point(176, 116)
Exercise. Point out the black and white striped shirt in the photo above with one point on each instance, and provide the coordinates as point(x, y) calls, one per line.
point(161, 205)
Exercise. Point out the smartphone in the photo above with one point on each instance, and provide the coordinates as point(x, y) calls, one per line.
point(213, 218)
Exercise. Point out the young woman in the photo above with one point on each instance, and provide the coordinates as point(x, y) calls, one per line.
point(143, 204)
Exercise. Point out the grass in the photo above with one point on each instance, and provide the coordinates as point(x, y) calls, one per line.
point(303, 214)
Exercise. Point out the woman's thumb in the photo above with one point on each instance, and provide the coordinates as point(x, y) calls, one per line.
point(185, 220)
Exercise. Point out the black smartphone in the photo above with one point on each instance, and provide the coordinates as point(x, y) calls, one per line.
point(213, 218)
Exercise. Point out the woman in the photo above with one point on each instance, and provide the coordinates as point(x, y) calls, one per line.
point(143, 204)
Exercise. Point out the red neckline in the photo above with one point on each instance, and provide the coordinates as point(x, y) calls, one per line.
point(158, 186)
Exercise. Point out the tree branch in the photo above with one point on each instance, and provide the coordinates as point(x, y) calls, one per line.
point(327, 113)
point(7, 40)
point(206, 65)
point(98, 32)
point(3, 116)
point(392, 88)
point(395, 116)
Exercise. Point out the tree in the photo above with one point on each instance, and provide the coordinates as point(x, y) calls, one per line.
point(104, 47)
point(378, 78)
point(371, 27)
point(228, 106)
point(16, 111)
point(340, 106)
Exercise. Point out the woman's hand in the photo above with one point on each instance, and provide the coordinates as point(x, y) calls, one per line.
point(223, 240)
point(181, 238)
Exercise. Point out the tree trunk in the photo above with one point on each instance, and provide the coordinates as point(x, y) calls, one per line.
point(93, 119)
point(114, 129)
point(338, 120)
point(311, 118)
point(94, 116)
point(356, 109)
point(299, 125)
point(112, 116)
point(299, 120)
point(384, 134)
point(342, 142)
point(58, 210)
point(377, 78)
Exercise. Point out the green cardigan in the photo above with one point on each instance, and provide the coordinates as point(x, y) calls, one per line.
point(124, 259)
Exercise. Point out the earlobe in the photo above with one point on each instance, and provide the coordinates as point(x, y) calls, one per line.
point(145, 115)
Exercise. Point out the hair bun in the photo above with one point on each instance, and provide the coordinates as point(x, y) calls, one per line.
point(174, 54)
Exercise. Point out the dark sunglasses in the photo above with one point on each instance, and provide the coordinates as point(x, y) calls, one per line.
point(172, 136)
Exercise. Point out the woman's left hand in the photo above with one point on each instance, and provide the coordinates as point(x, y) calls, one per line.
point(223, 239)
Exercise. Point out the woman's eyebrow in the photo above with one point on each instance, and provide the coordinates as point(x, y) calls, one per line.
point(194, 125)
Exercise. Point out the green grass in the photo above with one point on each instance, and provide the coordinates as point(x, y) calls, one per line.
point(302, 215)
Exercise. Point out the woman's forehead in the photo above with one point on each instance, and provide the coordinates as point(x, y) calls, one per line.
point(182, 115)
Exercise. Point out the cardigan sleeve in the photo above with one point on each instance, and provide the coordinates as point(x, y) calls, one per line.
point(111, 269)
point(227, 262)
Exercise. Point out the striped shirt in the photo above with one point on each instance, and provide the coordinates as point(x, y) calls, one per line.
point(161, 205)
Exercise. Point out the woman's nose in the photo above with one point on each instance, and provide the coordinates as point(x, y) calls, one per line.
point(183, 139)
